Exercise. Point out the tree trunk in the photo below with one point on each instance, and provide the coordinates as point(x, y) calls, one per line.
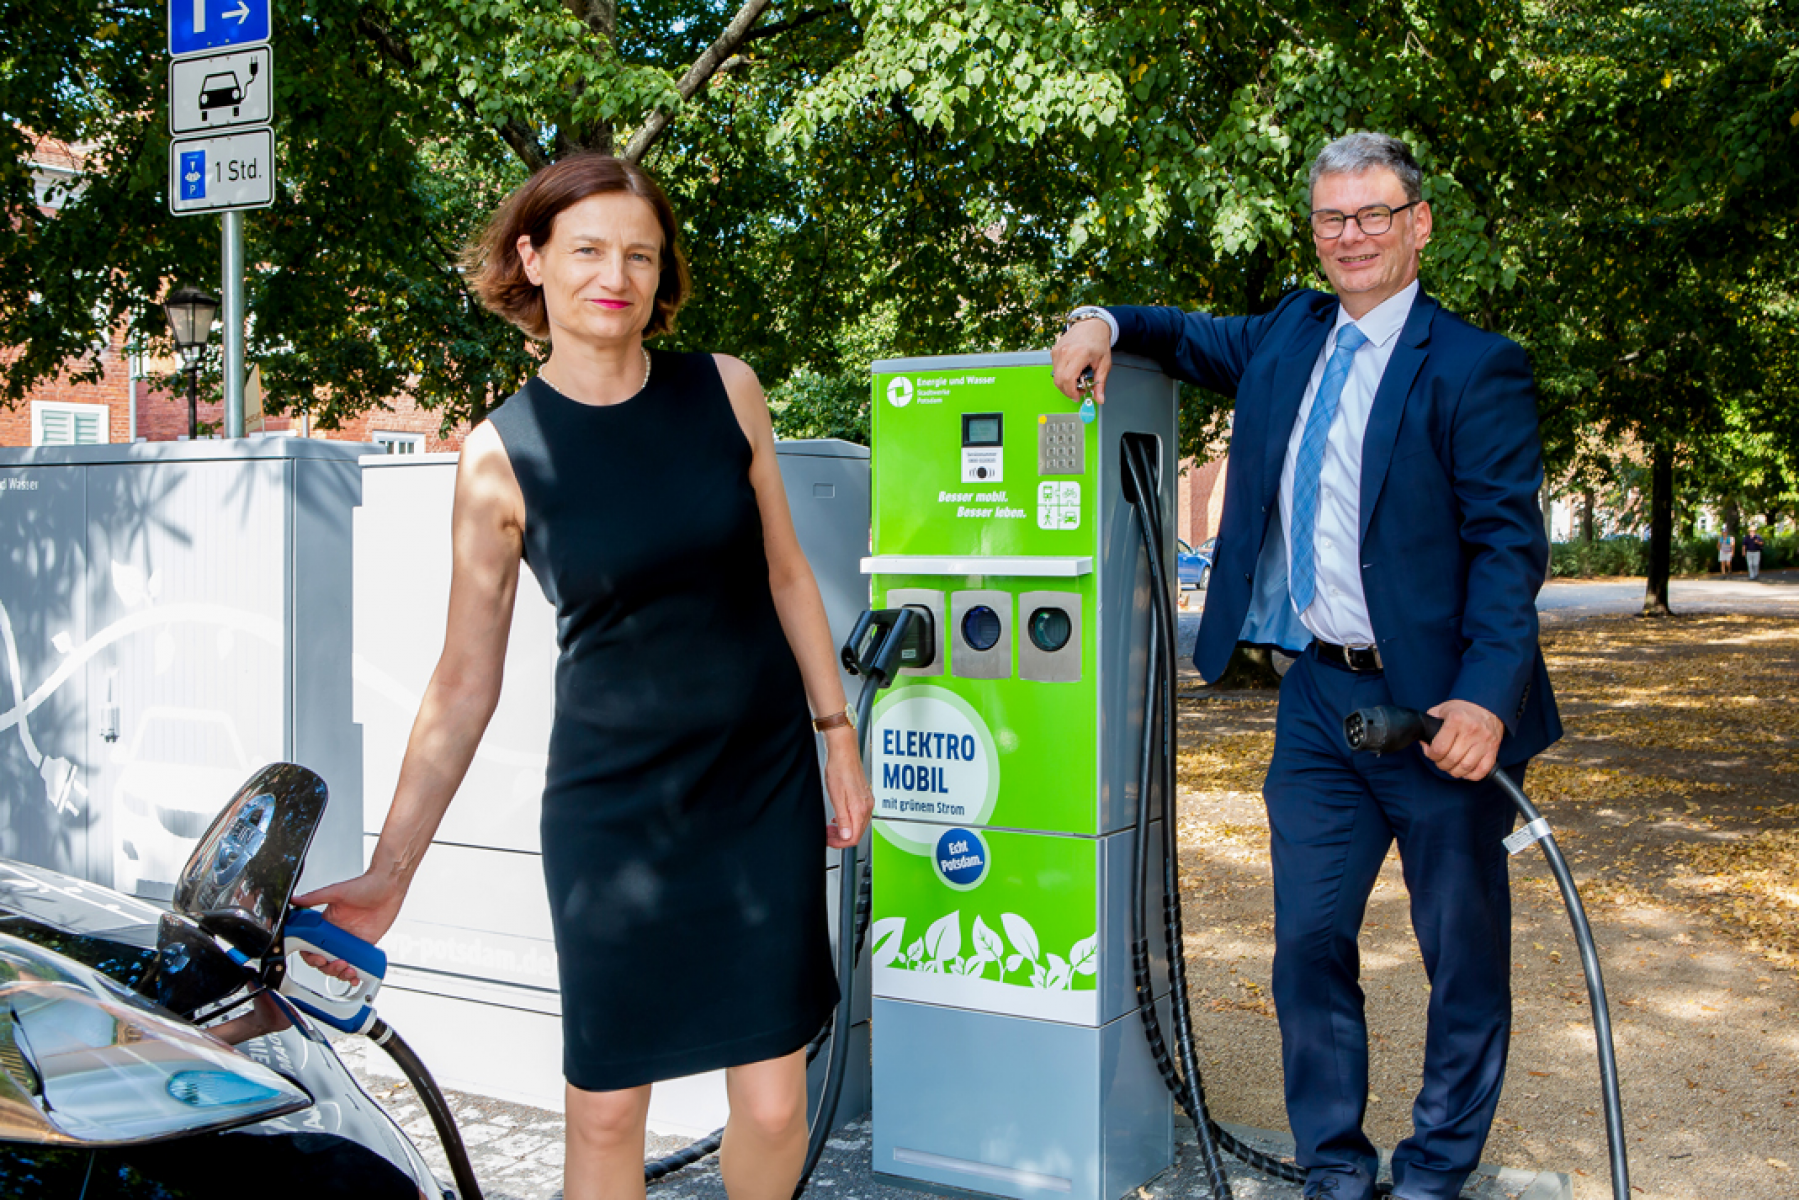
point(1586, 515)
point(1548, 503)
point(601, 18)
point(1733, 525)
point(1661, 530)
point(1250, 667)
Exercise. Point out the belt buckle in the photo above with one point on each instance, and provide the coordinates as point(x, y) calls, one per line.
point(1363, 658)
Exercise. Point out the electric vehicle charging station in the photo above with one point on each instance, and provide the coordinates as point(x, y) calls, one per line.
point(1009, 1057)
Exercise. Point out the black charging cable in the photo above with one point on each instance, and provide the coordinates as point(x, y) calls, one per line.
point(1156, 777)
point(436, 1107)
point(1388, 728)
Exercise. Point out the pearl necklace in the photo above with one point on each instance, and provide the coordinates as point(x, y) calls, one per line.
point(632, 396)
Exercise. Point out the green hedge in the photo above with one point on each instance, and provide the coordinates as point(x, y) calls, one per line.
point(1629, 556)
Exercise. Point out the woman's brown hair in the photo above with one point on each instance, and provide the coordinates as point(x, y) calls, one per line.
point(497, 274)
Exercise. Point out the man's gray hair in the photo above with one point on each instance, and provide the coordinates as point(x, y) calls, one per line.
point(1354, 153)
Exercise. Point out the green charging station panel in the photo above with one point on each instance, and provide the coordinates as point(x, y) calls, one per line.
point(1008, 1053)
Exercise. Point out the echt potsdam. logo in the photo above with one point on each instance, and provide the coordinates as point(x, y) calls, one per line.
point(961, 859)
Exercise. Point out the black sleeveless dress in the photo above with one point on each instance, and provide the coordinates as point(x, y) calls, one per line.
point(683, 819)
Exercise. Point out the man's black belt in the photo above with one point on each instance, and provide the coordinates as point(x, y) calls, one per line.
point(1350, 658)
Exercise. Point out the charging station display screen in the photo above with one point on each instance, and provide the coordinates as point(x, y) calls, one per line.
point(983, 447)
point(981, 430)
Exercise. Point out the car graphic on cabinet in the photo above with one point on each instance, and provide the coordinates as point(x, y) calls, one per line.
point(177, 771)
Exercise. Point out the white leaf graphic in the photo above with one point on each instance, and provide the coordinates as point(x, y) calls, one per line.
point(1038, 976)
point(1084, 956)
point(943, 940)
point(1024, 938)
point(987, 943)
point(153, 585)
point(885, 942)
point(1059, 975)
point(1012, 961)
point(63, 642)
point(128, 582)
point(915, 951)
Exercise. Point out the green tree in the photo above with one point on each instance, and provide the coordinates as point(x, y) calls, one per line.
point(1662, 152)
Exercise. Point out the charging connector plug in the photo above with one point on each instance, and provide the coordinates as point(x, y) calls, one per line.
point(886, 639)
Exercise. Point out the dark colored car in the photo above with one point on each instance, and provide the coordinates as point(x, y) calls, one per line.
point(145, 1055)
point(1194, 567)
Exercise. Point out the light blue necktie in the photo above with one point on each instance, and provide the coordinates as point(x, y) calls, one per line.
point(1302, 582)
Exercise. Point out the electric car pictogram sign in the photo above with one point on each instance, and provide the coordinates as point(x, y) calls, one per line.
point(216, 92)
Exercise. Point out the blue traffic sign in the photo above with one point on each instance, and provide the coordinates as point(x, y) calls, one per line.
point(193, 175)
point(196, 26)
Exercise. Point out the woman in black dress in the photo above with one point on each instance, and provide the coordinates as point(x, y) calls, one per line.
point(682, 835)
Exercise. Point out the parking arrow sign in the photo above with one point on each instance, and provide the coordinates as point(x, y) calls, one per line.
point(196, 26)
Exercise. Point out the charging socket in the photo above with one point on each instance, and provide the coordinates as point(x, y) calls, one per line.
point(887, 640)
point(918, 641)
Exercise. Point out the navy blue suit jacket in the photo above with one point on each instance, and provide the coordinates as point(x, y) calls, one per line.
point(1453, 549)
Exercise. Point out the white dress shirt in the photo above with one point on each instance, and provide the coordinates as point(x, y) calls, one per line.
point(1339, 611)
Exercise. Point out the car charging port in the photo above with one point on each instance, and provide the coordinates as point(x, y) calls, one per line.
point(887, 639)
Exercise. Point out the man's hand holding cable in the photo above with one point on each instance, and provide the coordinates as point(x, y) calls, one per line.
point(1085, 345)
point(1468, 744)
point(852, 803)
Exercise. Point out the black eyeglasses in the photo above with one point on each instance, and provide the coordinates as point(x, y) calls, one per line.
point(1327, 223)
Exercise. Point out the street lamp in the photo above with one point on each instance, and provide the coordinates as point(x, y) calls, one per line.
point(190, 312)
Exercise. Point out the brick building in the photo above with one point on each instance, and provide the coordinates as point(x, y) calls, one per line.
point(1200, 494)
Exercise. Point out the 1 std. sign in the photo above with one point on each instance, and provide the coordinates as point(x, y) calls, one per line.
point(213, 174)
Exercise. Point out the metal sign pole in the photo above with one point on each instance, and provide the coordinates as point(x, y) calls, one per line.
point(231, 273)
point(222, 149)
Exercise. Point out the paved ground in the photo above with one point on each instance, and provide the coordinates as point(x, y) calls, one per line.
point(517, 1155)
point(1774, 592)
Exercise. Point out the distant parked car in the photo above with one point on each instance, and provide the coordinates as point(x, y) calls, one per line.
point(1194, 567)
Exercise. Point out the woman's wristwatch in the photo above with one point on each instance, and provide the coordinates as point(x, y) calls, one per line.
point(836, 720)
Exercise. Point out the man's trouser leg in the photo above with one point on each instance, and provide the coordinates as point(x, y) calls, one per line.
point(1333, 815)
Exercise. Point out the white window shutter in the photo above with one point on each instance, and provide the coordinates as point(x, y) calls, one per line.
point(58, 427)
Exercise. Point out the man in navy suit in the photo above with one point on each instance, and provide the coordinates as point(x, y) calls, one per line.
point(1381, 518)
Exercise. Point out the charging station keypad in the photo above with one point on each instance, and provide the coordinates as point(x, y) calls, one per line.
point(1061, 444)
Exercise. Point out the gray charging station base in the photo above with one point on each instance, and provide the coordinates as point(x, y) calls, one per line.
point(1070, 1110)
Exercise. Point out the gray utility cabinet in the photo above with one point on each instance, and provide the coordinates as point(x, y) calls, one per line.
point(174, 615)
point(472, 979)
